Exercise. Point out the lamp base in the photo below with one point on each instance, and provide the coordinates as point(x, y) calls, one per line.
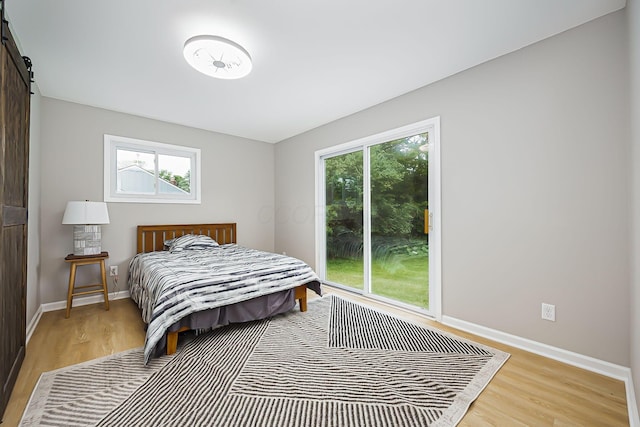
point(87, 240)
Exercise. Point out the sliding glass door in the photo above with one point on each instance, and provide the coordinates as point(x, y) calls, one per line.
point(375, 234)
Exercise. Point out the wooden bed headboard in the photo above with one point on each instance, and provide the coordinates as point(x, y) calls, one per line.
point(151, 237)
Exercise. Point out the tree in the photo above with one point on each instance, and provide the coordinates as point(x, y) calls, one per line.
point(183, 183)
point(399, 189)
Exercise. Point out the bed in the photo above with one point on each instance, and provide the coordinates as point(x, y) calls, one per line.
point(182, 281)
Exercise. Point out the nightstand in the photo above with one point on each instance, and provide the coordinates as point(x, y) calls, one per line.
point(78, 260)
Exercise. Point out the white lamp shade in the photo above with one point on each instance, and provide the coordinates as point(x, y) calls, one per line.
point(86, 213)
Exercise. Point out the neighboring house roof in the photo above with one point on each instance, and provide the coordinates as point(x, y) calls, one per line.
point(134, 179)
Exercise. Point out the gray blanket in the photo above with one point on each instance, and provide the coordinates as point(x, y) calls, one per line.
point(170, 286)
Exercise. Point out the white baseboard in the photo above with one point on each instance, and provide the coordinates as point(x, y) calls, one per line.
point(33, 323)
point(634, 417)
point(77, 302)
point(612, 370)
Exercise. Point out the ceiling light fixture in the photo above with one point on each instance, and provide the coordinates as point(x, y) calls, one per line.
point(217, 57)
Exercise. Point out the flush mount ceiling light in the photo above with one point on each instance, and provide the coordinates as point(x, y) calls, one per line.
point(217, 57)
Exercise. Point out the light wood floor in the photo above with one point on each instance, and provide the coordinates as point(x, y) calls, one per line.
point(529, 390)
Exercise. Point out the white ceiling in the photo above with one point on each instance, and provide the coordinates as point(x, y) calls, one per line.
point(314, 61)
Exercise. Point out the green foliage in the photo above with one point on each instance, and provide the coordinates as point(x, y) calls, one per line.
point(384, 247)
point(403, 278)
point(344, 244)
point(350, 246)
point(399, 173)
point(183, 183)
point(399, 191)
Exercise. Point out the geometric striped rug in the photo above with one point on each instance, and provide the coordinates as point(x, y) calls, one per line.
point(338, 364)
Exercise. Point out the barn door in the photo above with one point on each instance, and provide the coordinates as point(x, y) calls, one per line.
point(15, 80)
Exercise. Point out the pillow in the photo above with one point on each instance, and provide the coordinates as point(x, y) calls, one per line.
point(190, 242)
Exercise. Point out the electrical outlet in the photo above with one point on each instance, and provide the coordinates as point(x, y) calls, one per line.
point(113, 270)
point(549, 312)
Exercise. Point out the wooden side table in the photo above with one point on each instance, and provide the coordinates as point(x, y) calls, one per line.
point(75, 261)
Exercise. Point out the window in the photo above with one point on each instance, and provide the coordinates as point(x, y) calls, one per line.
point(139, 171)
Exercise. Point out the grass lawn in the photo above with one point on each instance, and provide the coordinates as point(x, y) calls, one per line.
point(401, 277)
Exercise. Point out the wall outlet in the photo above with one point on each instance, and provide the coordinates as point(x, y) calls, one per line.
point(549, 312)
point(113, 270)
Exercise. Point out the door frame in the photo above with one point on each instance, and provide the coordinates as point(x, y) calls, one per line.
point(432, 126)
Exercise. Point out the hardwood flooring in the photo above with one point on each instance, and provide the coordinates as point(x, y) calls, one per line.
point(529, 390)
point(89, 333)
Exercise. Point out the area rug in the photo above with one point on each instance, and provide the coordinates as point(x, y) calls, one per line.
point(338, 364)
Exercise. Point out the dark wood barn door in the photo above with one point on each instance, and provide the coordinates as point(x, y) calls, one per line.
point(15, 86)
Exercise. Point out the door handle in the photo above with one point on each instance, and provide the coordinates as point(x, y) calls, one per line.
point(427, 221)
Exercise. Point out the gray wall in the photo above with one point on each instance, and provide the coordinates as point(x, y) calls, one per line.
point(535, 149)
point(633, 14)
point(237, 186)
point(33, 260)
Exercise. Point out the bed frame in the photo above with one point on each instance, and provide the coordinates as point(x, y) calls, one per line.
point(151, 238)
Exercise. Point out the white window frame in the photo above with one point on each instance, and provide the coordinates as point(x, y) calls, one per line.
point(113, 142)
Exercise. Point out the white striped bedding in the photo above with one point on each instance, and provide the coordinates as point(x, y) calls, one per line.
point(170, 286)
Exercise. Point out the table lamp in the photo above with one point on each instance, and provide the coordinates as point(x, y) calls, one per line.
point(86, 218)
